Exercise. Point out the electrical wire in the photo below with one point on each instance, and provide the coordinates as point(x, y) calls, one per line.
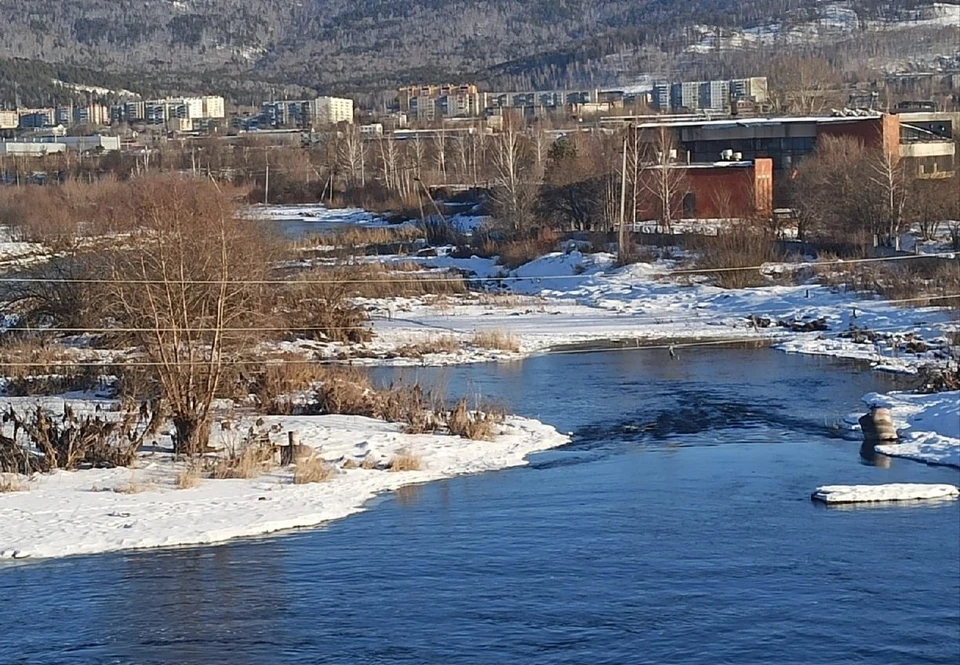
point(621, 344)
point(457, 279)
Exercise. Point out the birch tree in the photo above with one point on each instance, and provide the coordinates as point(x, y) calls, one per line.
point(512, 192)
point(661, 179)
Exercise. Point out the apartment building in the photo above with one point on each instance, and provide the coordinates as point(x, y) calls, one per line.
point(330, 110)
point(169, 110)
point(717, 95)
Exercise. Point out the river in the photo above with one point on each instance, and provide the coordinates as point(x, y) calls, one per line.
point(676, 528)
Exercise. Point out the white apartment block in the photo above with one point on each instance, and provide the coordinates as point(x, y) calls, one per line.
point(331, 110)
point(213, 107)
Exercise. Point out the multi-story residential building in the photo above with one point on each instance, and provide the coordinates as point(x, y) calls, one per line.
point(661, 95)
point(37, 118)
point(330, 111)
point(9, 120)
point(169, 109)
point(317, 112)
point(409, 96)
point(753, 89)
point(715, 95)
point(685, 95)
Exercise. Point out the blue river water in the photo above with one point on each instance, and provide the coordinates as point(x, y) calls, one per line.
point(676, 528)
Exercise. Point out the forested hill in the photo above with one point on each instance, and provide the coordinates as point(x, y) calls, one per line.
point(349, 45)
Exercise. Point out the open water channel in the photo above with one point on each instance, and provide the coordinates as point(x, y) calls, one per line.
point(676, 528)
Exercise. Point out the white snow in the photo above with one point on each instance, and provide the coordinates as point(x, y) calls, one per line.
point(81, 512)
point(928, 426)
point(891, 492)
point(566, 298)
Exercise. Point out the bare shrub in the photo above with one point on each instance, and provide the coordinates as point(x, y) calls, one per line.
point(739, 246)
point(188, 282)
point(317, 305)
point(42, 441)
point(369, 463)
point(405, 461)
point(312, 469)
point(496, 340)
point(920, 283)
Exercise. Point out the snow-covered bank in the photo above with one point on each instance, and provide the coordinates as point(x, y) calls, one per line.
point(833, 494)
point(86, 512)
point(928, 426)
point(573, 298)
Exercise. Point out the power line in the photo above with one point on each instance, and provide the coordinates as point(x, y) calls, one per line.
point(648, 319)
point(426, 279)
point(775, 336)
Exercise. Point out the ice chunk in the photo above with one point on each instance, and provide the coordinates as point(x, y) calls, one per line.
point(831, 494)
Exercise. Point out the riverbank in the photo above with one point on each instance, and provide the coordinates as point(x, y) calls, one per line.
point(573, 299)
point(928, 426)
point(104, 510)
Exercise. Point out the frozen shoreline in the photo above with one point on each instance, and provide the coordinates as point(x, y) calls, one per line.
point(569, 299)
point(928, 425)
point(96, 511)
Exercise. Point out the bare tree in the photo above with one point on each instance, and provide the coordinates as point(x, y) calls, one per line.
point(188, 287)
point(512, 191)
point(803, 85)
point(350, 154)
point(663, 179)
point(888, 175)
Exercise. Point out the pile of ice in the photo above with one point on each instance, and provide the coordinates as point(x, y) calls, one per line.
point(837, 494)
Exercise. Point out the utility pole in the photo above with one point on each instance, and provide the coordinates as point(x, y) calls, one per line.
point(623, 236)
point(266, 177)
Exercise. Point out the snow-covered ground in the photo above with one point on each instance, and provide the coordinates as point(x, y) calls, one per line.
point(570, 298)
point(94, 511)
point(831, 494)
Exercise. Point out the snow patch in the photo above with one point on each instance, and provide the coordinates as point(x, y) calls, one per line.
point(87, 512)
point(833, 494)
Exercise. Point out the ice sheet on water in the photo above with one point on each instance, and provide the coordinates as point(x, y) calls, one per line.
point(832, 494)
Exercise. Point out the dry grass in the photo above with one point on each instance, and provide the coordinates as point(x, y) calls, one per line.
point(441, 344)
point(361, 237)
point(188, 478)
point(739, 246)
point(276, 384)
point(374, 280)
point(475, 425)
point(133, 486)
point(349, 463)
point(312, 469)
point(245, 463)
point(497, 340)
point(922, 282)
point(369, 463)
point(34, 367)
point(405, 461)
point(515, 253)
point(11, 482)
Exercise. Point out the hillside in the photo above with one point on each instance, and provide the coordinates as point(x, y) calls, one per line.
point(244, 47)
